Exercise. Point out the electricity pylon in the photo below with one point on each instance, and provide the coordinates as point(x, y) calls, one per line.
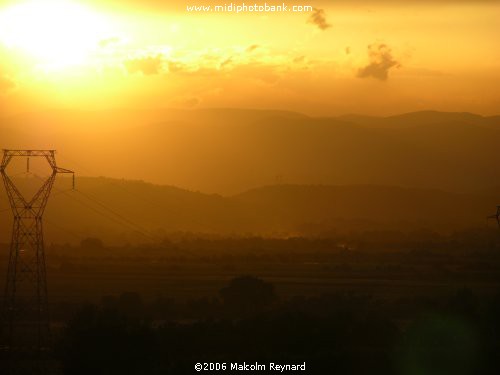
point(26, 303)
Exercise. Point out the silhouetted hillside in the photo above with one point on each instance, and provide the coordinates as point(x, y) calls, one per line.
point(121, 211)
point(425, 118)
point(231, 150)
point(365, 207)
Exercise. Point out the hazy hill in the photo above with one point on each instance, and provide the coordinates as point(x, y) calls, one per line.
point(422, 118)
point(119, 211)
point(227, 151)
point(365, 207)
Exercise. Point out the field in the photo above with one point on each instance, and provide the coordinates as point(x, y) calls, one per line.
point(199, 269)
point(168, 306)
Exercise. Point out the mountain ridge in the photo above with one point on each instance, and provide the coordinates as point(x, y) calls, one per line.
point(230, 150)
point(121, 211)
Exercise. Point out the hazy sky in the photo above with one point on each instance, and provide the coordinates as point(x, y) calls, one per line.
point(372, 57)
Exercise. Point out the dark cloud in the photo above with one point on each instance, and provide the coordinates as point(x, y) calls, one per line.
point(227, 61)
point(252, 48)
point(299, 59)
point(318, 18)
point(146, 65)
point(381, 61)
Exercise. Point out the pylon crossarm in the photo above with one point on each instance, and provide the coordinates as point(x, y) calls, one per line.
point(67, 171)
point(63, 170)
point(10, 153)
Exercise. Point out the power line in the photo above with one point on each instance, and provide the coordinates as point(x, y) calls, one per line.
point(115, 217)
point(131, 224)
point(65, 230)
point(65, 192)
point(89, 197)
point(142, 197)
point(123, 223)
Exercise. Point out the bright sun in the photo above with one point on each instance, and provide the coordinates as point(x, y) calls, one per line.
point(56, 33)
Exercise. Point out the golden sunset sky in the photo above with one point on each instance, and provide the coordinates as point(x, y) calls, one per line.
point(368, 57)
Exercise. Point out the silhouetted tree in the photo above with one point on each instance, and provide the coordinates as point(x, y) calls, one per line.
point(464, 303)
point(104, 342)
point(440, 344)
point(131, 304)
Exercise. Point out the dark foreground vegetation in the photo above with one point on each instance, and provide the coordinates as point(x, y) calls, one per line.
point(339, 333)
point(375, 303)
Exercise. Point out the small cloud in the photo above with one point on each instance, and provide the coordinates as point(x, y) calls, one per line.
point(103, 43)
point(318, 18)
point(227, 61)
point(299, 59)
point(252, 48)
point(381, 61)
point(146, 65)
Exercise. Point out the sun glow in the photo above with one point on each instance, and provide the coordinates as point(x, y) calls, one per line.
point(57, 34)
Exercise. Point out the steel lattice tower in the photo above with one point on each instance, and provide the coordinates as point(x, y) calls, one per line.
point(26, 303)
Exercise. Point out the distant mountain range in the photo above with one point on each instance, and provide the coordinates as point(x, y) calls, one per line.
point(431, 170)
point(228, 151)
point(120, 211)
